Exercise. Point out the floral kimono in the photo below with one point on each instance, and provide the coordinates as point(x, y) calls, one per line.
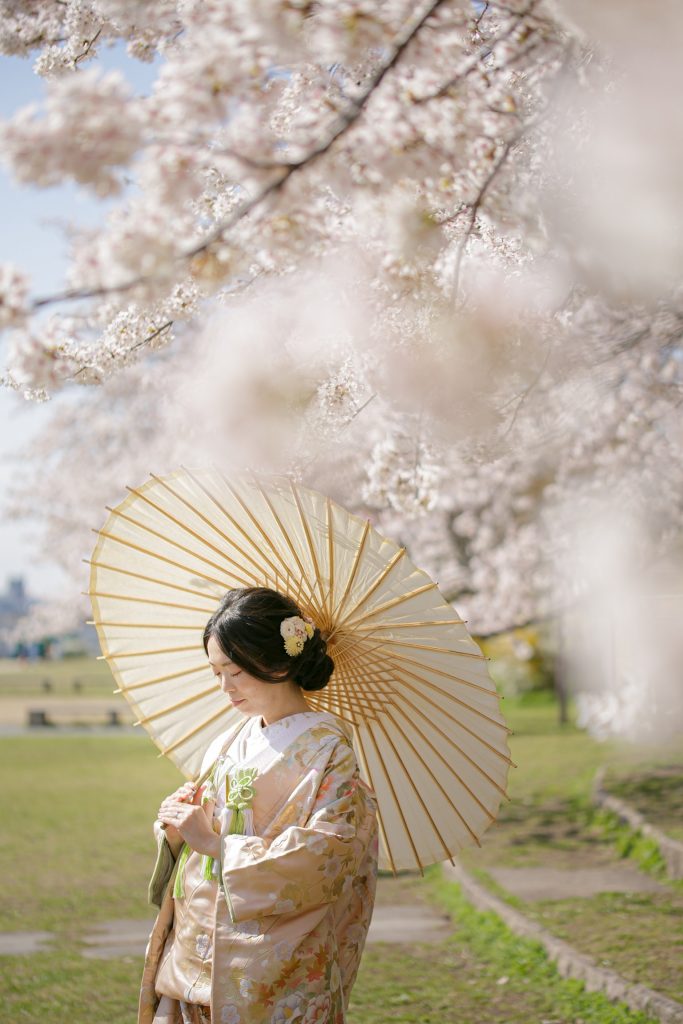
point(273, 931)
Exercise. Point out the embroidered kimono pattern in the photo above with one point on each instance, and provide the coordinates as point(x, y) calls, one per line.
point(275, 932)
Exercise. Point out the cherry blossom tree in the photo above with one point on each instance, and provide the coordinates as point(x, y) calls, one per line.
point(424, 256)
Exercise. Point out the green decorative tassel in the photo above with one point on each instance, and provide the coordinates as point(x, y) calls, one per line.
point(179, 884)
point(207, 867)
point(239, 795)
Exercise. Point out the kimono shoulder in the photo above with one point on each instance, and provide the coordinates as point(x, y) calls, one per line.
point(331, 727)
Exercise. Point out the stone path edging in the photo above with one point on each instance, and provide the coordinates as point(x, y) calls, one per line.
point(670, 849)
point(569, 961)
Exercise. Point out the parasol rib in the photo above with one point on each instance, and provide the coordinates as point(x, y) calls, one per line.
point(149, 600)
point(391, 604)
point(145, 654)
point(447, 764)
point(193, 732)
point(311, 548)
point(406, 625)
point(179, 704)
point(414, 645)
point(334, 688)
point(397, 802)
point(419, 801)
point(352, 573)
point(446, 693)
point(447, 714)
point(380, 821)
point(367, 594)
point(231, 519)
point(269, 541)
point(163, 558)
point(143, 625)
point(162, 679)
point(142, 576)
point(330, 560)
point(176, 544)
point(304, 575)
point(488, 690)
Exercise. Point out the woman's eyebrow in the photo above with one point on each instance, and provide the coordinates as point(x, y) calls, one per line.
point(219, 663)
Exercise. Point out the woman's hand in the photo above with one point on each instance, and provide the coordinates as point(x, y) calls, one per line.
point(185, 793)
point(189, 820)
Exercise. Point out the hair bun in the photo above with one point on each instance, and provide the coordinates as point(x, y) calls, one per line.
point(314, 665)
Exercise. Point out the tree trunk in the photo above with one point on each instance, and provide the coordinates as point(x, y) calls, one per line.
point(560, 673)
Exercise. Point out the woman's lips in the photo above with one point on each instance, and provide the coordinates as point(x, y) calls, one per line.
point(236, 702)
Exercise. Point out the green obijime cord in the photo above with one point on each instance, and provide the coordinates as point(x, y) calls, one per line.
point(236, 818)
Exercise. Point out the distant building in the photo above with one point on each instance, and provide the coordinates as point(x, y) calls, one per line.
point(15, 600)
point(14, 603)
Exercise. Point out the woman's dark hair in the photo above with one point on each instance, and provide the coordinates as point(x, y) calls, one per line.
point(246, 626)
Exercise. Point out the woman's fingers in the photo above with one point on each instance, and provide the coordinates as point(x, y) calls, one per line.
point(191, 823)
point(183, 794)
point(177, 811)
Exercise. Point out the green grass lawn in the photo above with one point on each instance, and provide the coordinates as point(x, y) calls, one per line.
point(79, 849)
point(656, 792)
point(63, 677)
point(561, 760)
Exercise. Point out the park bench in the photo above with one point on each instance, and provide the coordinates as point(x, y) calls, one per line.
point(73, 714)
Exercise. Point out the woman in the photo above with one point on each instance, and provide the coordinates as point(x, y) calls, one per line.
point(274, 858)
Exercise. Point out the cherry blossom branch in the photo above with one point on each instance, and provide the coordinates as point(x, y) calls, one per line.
point(401, 43)
point(89, 44)
point(475, 62)
point(508, 146)
point(522, 397)
point(138, 344)
point(474, 210)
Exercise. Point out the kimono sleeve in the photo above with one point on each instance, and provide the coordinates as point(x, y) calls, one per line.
point(163, 868)
point(305, 866)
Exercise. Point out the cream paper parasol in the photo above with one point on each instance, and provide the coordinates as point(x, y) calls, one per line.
point(427, 727)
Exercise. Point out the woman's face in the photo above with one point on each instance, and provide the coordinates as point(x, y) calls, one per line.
point(248, 694)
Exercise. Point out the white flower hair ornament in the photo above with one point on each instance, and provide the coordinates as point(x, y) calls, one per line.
point(296, 631)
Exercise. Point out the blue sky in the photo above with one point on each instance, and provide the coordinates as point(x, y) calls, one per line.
point(31, 239)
